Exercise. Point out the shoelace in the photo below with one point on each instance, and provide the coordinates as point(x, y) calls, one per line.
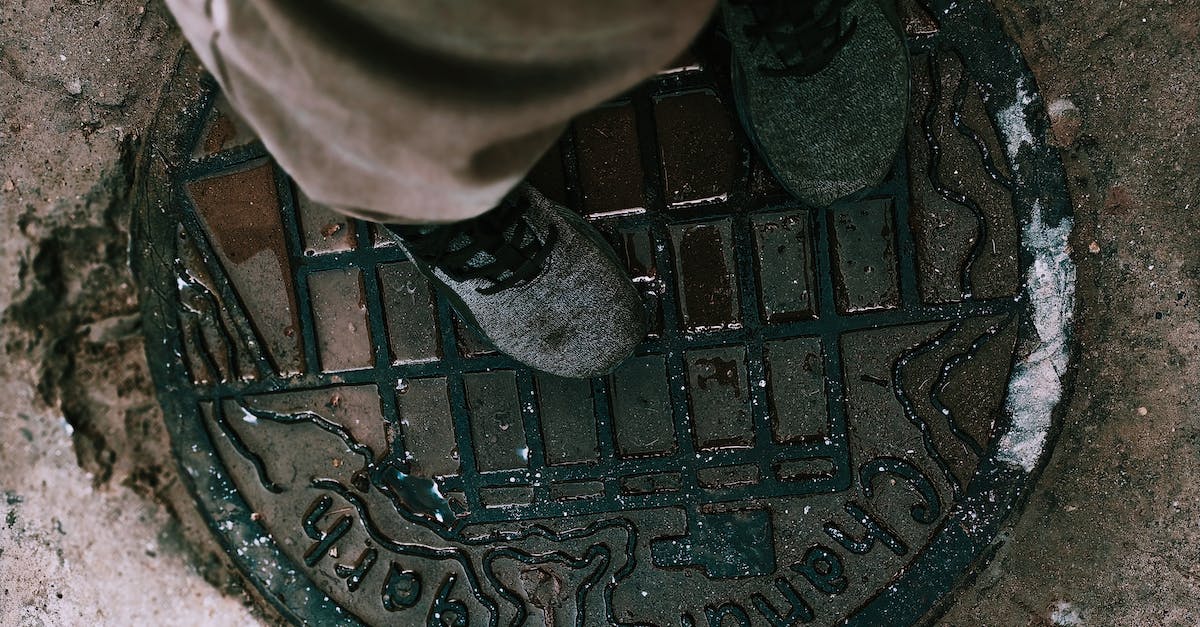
point(500, 246)
point(806, 34)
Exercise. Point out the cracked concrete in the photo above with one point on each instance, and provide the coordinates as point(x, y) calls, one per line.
point(98, 528)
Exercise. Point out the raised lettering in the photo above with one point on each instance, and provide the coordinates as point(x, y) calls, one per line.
point(401, 589)
point(355, 574)
point(445, 607)
point(823, 569)
point(927, 512)
point(717, 615)
point(799, 612)
point(324, 540)
point(875, 531)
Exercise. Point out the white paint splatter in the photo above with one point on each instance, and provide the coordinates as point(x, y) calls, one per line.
point(1036, 386)
point(1014, 123)
point(1060, 107)
point(1063, 614)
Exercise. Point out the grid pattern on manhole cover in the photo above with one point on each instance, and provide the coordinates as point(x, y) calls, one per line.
point(822, 392)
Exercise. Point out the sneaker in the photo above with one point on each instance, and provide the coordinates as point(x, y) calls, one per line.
point(822, 89)
point(540, 283)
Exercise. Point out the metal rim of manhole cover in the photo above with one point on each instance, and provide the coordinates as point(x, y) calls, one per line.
point(835, 413)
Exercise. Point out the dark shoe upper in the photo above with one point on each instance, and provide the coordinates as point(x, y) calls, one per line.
point(538, 281)
point(500, 246)
point(805, 36)
point(822, 88)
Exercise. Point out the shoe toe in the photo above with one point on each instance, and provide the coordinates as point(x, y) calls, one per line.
point(584, 337)
point(608, 340)
point(579, 318)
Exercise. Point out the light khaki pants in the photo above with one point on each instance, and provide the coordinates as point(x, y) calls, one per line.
point(425, 110)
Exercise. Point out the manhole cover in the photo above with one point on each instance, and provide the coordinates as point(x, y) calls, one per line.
point(835, 411)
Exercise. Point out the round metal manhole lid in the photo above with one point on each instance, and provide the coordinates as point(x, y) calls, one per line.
point(834, 414)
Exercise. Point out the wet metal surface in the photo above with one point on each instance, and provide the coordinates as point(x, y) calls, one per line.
point(828, 421)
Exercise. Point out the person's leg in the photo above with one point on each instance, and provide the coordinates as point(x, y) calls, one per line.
point(430, 111)
point(425, 110)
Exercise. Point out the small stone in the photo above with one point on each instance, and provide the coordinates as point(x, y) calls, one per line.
point(1094, 247)
point(1142, 411)
point(337, 462)
point(1065, 122)
point(9, 185)
point(255, 516)
point(75, 87)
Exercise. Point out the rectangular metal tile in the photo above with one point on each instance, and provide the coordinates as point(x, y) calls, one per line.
point(865, 268)
point(803, 470)
point(568, 420)
point(356, 408)
point(641, 408)
point(610, 166)
point(575, 490)
point(506, 495)
point(324, 230)
point(719, 397)
point(763, 183)
point(706, 276)
point(340, 319)
point(652, 483)
point(428, 427)
point(641, 259)
point(727, 476)
point(796, 389)
point(381, 237)
point(784, 251)
point(497, 428)
point(210, 341)
point(700, 154)
point(410, 312)
point(241, 212)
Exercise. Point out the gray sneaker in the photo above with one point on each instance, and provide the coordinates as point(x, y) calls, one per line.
point(540, 283)
point(822, 88)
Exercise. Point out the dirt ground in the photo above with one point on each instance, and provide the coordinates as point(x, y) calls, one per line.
point(98, 529)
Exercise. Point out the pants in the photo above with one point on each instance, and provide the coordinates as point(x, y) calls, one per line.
point(425, 110)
